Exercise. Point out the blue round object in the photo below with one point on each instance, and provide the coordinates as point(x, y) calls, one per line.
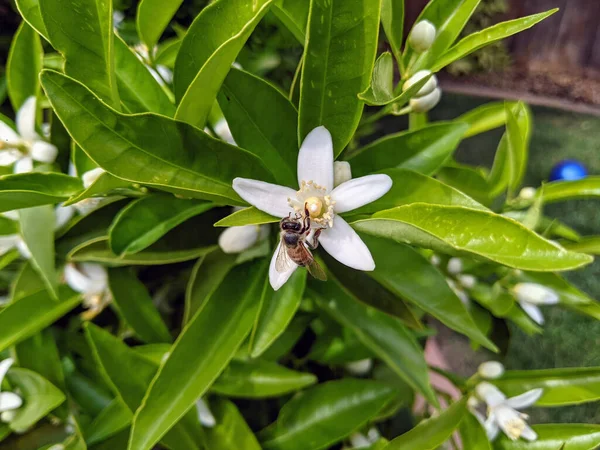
point(569, 169)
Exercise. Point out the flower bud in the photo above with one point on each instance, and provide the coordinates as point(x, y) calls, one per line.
point(62, 214)
point(527, 193)
point(224, 132)
point(427, 88)
point(422, 36)
point(535, 293)
point(91, 176)
point(43, 151)
point(435, 260)
point(455, 266)
point(341, 172)
point(8, 416)
point(360, 367)
point(473, 402)
point(205, 416)
point(467, 281)
point(490, 370)
point(238, 239)
point(425, 103)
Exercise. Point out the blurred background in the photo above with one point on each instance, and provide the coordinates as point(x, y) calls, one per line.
point(554, 67)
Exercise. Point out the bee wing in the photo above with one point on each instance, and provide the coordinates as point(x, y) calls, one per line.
point(283, 263)
point(313, 267)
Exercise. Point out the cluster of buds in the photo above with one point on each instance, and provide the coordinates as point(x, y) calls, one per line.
point(428, 96)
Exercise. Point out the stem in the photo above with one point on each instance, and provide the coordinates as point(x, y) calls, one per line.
point(417, 121)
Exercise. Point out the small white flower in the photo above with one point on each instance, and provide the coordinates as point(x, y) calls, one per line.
point(530, 295)
point(91, 280)
point(527, 193)
point(26, 146)
point(315, 177)
point(427, 88)
point(427, 102)
point(205, 416)
point(90, 177)
point(503, 412)
point(360, 367)
point(223, 131)
point(422, 36)
point(490, 370)
point(342, 172)
point(455, 266)
point(359, 440)
point(466, 280)
point(9, 401)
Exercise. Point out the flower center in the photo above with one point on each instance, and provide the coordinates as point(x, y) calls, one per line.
point(318, 203)
point(314, 206)
point(514, 427)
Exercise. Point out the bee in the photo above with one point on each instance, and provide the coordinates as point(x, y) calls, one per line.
point(295, 246)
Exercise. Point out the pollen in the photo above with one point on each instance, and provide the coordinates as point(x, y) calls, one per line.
point(314, 206)
point(514, 428)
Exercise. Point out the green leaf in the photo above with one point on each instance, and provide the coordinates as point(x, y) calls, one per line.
point(558, 191)
point(470, 181)
point(412, 187)
point(568, 386)
point(383, 334)
point(587, 244)
point(404, 271)
point(556, 436)
point(84, 36)
point(326, 414)
point(294, 16)
point(217, 329)
point(518, 131)
point(431, 433)
point(114, 418)
point(25, 190)
point(37, 232)
point(138, 89)
point(392, 19)
point(424, 150)
point(153, 16)
point(381, 89)
point(276, 313)
point(207, 51)
point(149, 149)
point(231, 431)
point(286, 340)
point(39, 395)
point(28, 281)
point(32, 313)
point(341, 42)
point(23, 66)
point(472, 434)
point(260, 379)
point(30, 11)
point(136, 306)
point(105, 184)
point(485, 117)
point(8, 226)
point(475, 41)
point(460, 230)
point(246, 216)
point(252, 106)
point(146, 220)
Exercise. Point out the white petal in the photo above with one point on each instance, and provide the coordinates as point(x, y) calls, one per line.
point(360, 367)
point(23, 249)
point(509, 421)
point(315, 158)
point(4, 366)
point(165, 73)
point(489, 394)
point(24, 165)
point(9, 401)
point(91, 176)
point(360, 191)
point(238, 239)
point(96, 272)
point(224, 132)
point(62, 214)
point(535, 293)
point(267, 197)
point(43, 151)
point(491, 429)
point(80, 280)
point(358, 440)
point(528, 434)
point(342, 242)
point(8, 135)
point(8, 242)
point(26, 119)
point(9, 157)
point(278, 279)
point(533, 311)
point(525, 400)
point(204, 414)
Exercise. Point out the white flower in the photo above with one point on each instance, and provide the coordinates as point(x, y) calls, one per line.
point(490, 370)
point(359, 440)
point(455, 266)
point(530, 295)
point(503, 414)
point(9, 401)
point(360, 367)
point(315, 177)
point(422, 36)
point(223, 131)
point(205, 416)
point(342, 172)
point(91, 280)
point(24, 147)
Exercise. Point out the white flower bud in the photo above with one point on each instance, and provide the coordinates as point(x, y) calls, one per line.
point(535, 293)
point(427, 88)
point(435, 260)
point(8, 416)
point(91, 176)
point(342, 172)
point(455, 266)
point(43, 151)
point(358, 440)
point(360, 367)
point(62, 214)
point(467, 281)
point(23, 249)
point(238, 239)
point(527, 193)
point(427, 102)
point(490, 370)
point(205, 416)
point(422, 36)
point(473, 402)
point(223, 131)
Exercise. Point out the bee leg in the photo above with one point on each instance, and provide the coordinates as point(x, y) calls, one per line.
point(315, 242)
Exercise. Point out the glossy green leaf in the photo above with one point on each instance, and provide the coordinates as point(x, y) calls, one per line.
point(341, 42)
point(25, 190)
point(472, 434)
point(136, 306)
point(456, 230)
point(568, 386)
point(152, 18)
point(431, 433)
point(167, 50)
point(294, 16)
point(475, 41)
point(23, 66)
point(260, 379)
point(207, 51)
point(518, 130)
point(39, 239)
point(381, 89)
point(325, 414)
point(147, 219)
point(587, 244)
point(246, 216)
point(558, 191)
point(485, 117)
point(404, 271)
point(30, 11)
point(114, 418)
point(105, 184)
point(32, 313)
point(276, 313)
point(40, 397)
point(231, 431)
point(392, 19)
point(549, 227)
point(377, 97)
point(290, 336)
point(252, 107)
point(8, 226)
point(424, 150)
point(163, 152)
point(469, 180)
point(84, 36)
point(28, 281)
point(217, 329)
point(556, 436)
point(383, 334)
